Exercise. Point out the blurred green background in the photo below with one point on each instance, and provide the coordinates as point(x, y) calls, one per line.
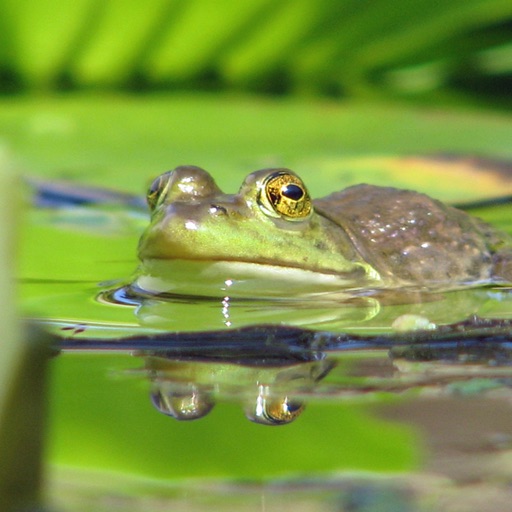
point(458, 50)
point(113, 92)
point(95, 88)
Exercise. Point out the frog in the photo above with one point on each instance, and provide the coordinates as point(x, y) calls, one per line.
point(362, 237)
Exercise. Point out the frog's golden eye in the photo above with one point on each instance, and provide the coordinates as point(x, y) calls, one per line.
point(157, 189)
point(284, 195)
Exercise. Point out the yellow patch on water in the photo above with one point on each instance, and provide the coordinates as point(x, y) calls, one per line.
point(450, 178)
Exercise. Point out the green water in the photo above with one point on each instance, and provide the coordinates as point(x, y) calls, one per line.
point(365, 412)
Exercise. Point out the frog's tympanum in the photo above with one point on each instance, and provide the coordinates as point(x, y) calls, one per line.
point(361, 237)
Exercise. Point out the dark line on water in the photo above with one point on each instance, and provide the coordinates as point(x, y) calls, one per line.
point(474, 339)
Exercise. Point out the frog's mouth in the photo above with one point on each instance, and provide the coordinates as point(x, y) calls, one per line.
point(161, 253)
point(238, 246)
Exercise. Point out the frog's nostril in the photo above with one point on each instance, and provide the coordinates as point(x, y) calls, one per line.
point(215, 209)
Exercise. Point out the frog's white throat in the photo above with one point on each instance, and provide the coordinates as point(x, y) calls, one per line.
point(212, 278)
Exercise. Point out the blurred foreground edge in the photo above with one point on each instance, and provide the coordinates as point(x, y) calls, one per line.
point(22, 424)
point(23, 362)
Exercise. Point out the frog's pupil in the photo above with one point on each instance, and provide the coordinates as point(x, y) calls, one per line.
point(292, 191)
point(154, 192)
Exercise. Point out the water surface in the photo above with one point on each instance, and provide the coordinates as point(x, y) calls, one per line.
point(187, 384)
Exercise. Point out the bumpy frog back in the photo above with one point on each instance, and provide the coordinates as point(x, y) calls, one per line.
point(412, 239)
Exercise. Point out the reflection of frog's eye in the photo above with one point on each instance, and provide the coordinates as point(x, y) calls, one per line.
point(283, 411)
point(274, 410)
point(157, 188)
point(285, 195)
point(188, 405)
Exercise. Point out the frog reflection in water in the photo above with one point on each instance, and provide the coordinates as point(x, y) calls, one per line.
point(270, 395)
point(364, 237)
point(360, 239)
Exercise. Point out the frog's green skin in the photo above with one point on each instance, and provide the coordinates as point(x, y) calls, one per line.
point(368, 235)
